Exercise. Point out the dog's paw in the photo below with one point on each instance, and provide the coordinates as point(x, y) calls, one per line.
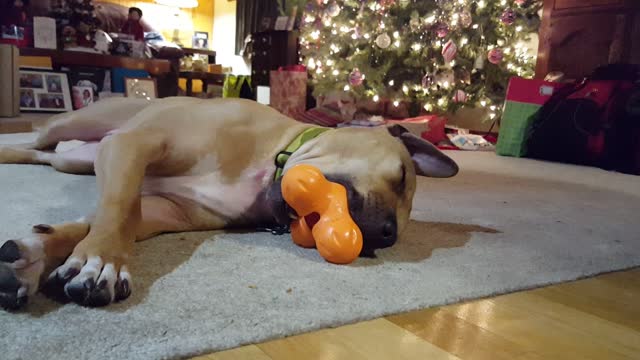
point(91, 282)
point(21, 265)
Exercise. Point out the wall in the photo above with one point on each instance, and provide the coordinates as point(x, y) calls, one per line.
point(166, 19)
point(224, 35)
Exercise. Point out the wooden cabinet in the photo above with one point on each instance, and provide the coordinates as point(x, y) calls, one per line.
point(272, 49)
point(576, 36)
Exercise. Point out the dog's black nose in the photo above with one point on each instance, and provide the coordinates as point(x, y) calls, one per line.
point(389, 233)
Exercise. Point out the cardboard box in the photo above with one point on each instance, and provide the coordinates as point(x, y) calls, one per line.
point(10, 84)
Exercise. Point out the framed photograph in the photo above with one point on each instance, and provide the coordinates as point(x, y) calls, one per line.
point(82, 96)
point(143, 88)
point(200, 40)
point(44, 91)
point(12, 32)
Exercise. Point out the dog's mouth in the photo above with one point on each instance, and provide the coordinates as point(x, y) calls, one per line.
point(378, 225)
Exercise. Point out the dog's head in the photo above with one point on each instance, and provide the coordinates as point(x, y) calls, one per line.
point(378, 167)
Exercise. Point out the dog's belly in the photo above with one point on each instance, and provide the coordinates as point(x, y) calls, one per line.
point(229, 200)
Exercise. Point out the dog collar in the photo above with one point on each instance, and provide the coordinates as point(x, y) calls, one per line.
point(284, 155)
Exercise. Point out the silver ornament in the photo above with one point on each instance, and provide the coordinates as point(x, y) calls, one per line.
point(383, 41)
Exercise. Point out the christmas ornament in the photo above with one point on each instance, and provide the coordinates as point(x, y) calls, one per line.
point(383, 41)
point(427, 81)
point(442, 30)
point(465, 18)
point(460, 96)
point(479, 63)
point(355, 77)
point(449, 51)
point(333, 9)
point(508, 17)
point(495, 56)
point(520, 2)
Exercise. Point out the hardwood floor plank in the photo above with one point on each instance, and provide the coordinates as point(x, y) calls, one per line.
point(463, 339)
point(550, 337)
point(621, 339)
point(250, 352)
point(612, 297)
point(371, 340)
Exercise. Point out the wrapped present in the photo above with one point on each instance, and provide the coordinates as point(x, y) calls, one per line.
point(289, 89)
point(428, 127)
point(524, 98)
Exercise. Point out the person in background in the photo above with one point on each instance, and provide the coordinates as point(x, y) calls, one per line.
point(132, 26)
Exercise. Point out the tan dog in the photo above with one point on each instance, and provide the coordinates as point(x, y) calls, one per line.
point(184, 164)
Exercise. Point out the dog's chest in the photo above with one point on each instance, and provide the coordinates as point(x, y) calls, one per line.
point(229, 197)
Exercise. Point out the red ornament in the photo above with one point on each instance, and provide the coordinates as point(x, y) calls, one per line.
point(495, 56)
point(508, 17)
point(449, 51)
point(355, 78)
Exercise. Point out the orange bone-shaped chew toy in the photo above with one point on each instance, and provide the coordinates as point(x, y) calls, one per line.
point(335, 235)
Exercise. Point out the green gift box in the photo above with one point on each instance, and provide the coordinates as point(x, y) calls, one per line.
point(524, 98)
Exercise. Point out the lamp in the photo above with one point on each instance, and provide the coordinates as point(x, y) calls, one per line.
point(178, 4)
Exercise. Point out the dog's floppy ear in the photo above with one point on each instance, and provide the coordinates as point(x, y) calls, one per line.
point(428, 159)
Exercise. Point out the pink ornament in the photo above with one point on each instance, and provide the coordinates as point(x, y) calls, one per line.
point(520, 2)
point(442, 30)
point(495, 56)
point(460, 96)
point(508, 17)
point(449, 51)
point(355, 78)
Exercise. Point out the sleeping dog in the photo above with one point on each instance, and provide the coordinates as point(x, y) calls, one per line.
point(185, 164)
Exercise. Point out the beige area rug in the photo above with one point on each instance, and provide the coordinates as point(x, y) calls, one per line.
point(501, 225)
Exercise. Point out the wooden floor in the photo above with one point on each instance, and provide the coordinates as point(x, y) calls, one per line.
point(596, 319)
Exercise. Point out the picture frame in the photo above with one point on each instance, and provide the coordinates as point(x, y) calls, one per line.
point(44, 91)
point(281, 23)
point(143, 88)
point(82, 96)
point(200, 40)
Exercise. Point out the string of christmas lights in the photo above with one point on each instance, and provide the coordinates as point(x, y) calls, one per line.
point(438, 55)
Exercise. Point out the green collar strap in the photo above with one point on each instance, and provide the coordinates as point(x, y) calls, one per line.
point(284, 155)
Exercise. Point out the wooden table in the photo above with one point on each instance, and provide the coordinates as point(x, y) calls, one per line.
point(211, 55)
point(79, 58)
point(205, 77)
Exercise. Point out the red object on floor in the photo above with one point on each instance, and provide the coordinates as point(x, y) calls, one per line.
point(428, 127)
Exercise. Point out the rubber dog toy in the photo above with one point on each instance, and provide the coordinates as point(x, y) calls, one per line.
point(324, 221)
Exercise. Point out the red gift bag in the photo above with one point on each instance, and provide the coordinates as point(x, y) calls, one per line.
point(289, 90)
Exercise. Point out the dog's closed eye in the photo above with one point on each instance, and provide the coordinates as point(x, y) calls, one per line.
point(399, 184)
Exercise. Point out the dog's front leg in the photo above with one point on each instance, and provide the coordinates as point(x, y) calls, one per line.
point(98, 265)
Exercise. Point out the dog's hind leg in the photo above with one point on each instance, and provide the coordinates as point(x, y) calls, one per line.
point(78, 160)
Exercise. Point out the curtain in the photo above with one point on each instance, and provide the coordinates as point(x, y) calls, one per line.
point(249, 15)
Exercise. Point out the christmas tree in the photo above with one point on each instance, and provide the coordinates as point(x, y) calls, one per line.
point(436, 55)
